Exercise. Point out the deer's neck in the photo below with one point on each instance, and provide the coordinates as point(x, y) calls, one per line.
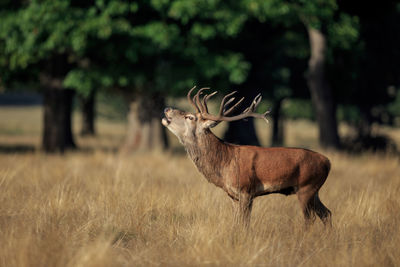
point(210, 155)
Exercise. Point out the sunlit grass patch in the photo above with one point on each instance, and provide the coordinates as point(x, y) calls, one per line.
point(97, 208)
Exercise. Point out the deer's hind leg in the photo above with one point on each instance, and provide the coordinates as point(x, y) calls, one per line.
point(306, 198)
point(311, 205)
point(323, 212)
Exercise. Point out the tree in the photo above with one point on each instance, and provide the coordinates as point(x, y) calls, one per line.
point(321, 92)
point(276, 58)
point(226, 28)
point(88, 108)
point(145, 132)
point(49, 43)
point(373, 64)
point(322, 21)
point(31, 39)
point(83, 46)
point(151, 50)
point(180, 46)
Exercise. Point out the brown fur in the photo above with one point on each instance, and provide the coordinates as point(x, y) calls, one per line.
point(246, 172)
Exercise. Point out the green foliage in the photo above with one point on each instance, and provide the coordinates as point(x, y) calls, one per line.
point(120, 44)
point(40, 28)
point(276, 11)
point(161, 34)
point(344, 33)
point(298, 109)
point(36, 31)
point(314, 13)
point(348, 113)
point(170, 45)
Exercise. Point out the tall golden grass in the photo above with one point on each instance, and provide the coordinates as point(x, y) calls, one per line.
point(97, 208)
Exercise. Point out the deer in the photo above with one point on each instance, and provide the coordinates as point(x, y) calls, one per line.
point(245, 172)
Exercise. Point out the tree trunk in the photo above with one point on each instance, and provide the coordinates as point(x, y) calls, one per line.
point(242, 132)
point(145, 132)
point(365, 124)
point(57, 132)
point(277, 124)
point(321, 93)
point(88, 114)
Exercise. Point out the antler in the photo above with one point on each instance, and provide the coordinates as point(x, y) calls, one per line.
point(201, 107)
point(191, 101)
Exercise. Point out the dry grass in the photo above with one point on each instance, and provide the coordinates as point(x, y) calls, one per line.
point(96, 208)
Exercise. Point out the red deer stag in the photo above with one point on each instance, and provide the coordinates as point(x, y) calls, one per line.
point(246, 172)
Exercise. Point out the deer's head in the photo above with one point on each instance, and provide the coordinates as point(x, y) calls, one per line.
point(187, 126)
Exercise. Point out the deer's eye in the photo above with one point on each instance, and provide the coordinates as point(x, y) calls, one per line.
point(189, 117)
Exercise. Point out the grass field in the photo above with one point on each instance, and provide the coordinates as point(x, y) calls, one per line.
point(97, 208)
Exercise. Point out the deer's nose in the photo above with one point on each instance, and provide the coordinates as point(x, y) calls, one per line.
point(166, 110)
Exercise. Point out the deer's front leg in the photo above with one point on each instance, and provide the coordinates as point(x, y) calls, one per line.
point(242, 210)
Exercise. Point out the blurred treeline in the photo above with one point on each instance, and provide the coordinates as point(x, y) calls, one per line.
point(339, 57)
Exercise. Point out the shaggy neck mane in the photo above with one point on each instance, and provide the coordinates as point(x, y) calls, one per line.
point(209, 154)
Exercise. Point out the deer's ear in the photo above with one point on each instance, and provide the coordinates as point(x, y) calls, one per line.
point(210, 123)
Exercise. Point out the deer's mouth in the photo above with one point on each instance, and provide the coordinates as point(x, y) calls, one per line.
point(166, 120)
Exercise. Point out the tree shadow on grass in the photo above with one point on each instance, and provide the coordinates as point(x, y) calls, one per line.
point(22, 149)
point(375, 144)
point(16, 149)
